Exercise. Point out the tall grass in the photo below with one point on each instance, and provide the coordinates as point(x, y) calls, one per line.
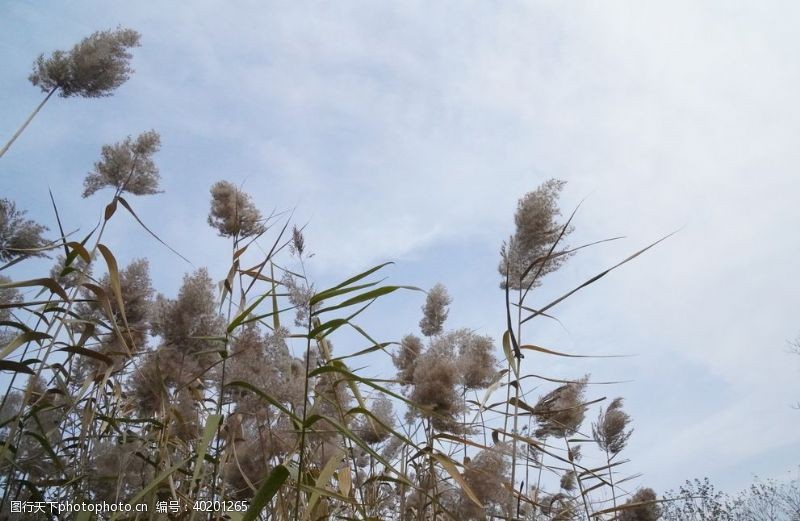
point(230, 401)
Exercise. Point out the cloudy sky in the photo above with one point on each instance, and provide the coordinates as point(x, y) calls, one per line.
point(407, 131)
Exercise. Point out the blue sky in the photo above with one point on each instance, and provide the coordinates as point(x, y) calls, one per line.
point(407, 132)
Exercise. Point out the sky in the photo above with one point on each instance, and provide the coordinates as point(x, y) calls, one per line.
point(407, 131)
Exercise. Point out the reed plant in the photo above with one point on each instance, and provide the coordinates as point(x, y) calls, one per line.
point(228, 399)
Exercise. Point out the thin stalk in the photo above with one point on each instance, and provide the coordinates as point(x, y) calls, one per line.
point(27, 121)
point(516, 403)
point(580, 483)
point(222, 380)
point(611, 481)
point(404, 470)
point(434, 500)
point(301, 461)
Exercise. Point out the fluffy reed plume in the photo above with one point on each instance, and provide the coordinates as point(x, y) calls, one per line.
point(405, 360)
point(568, 482)
point(249, 465)
point(94, 67)
point(559, 507)
point(560, 412)
point(136, 291)
point(298, 244)
point(186, 356)
point(537, 229)
point(454, 362)
point(478, 365)
point(186, 322)
point(574, 453)
point(233, 213)
point(649, 511)
point(128, 331)
point(486, 475)
point(126, 166)
point(436, 378)
point(609, 431)
point(7, 296)
point(371, 431)
point(145, 386)
point(299, 295)
point(265, 363)
point(184, 420)
point(19, 237)
point(435, 311)
point(118, 470)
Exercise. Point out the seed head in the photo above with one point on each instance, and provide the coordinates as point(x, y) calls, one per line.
point(7, 296)
point(406, 358)
point(568, 481)
point(537, 229)
point(96, 66)
point(485, 474)
point(233, 213)
point(609, 431)
point(436, 379)
point(184, 324)
point(574, 453)
point(649, 511)
point(299, 295)
point(127, 166)
point(298, 243)
point(478, 363)
point(370, 430)
point(19, 237)
point(434, 312)
point(561, 411)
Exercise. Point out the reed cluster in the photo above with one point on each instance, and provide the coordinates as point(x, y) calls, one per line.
point(231, 389)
